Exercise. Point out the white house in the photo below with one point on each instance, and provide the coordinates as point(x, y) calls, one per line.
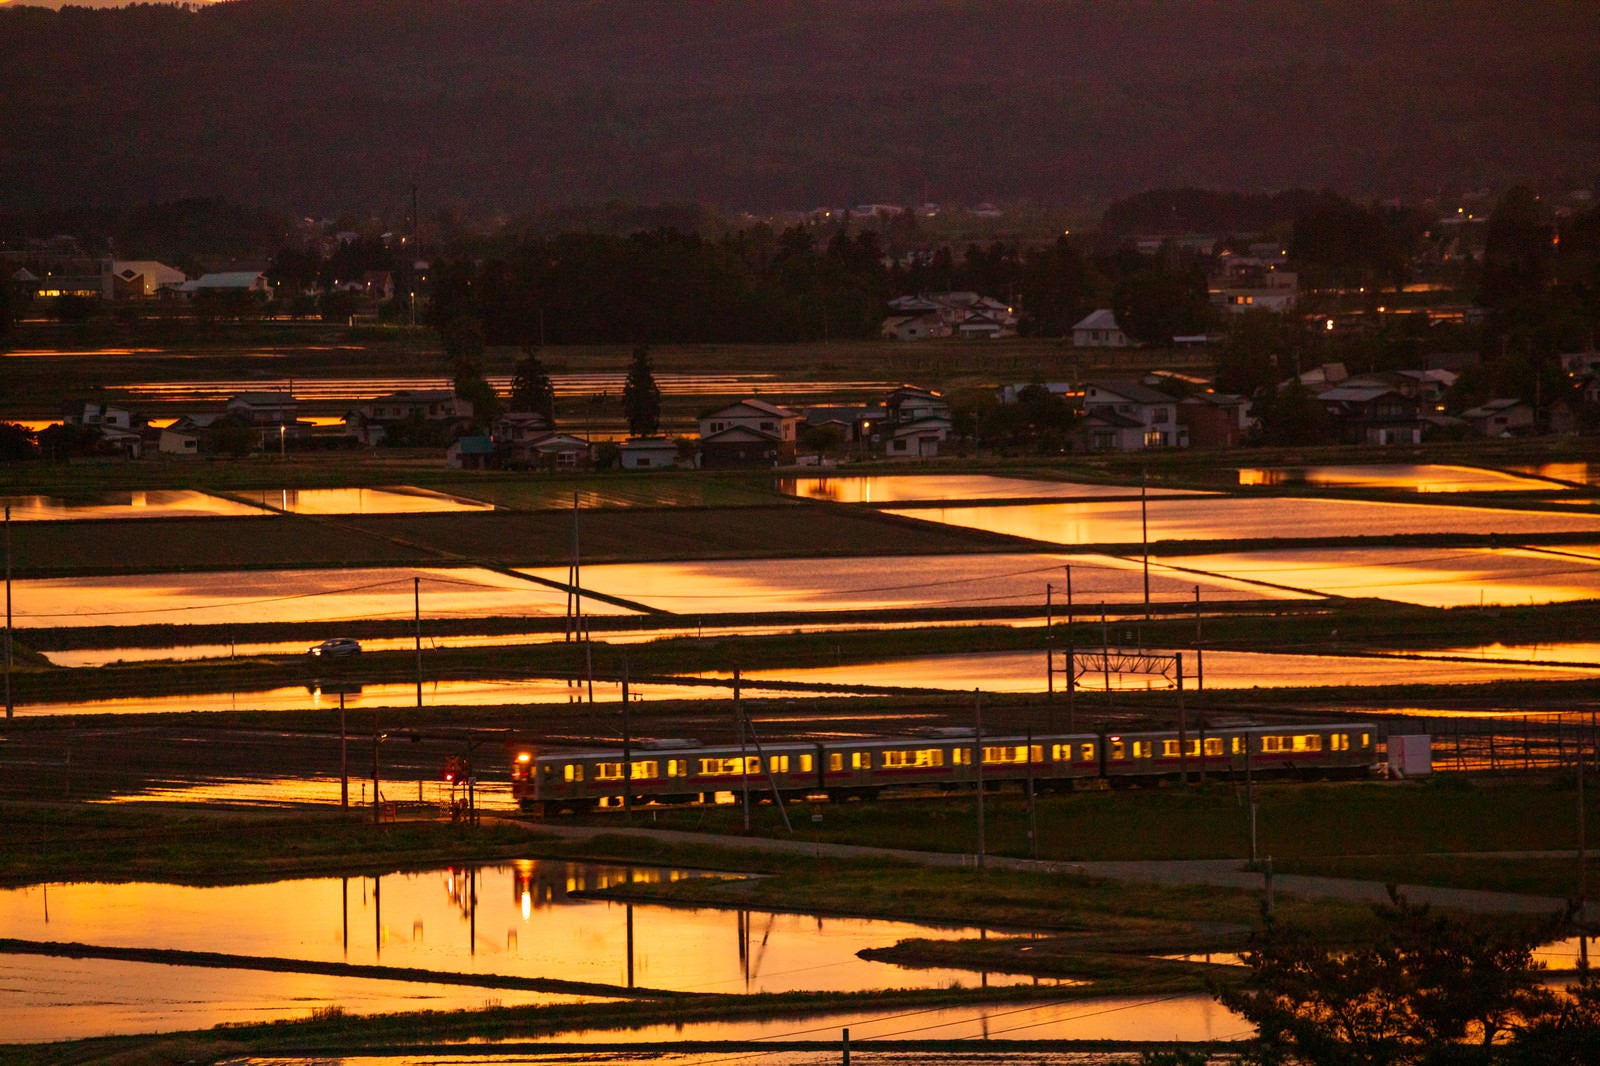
point(1099, 329)
point(1126, 416)
point(251, 281)
point(749, 433)
point(648, 453)
point(138, 279)
point(177, 443)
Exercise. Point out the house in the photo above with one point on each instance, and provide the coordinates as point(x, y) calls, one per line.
point(1099, 329)
point(107, 416)
point(1255, 290)
point(918, 421)
point(515, 427)
point(471, 453)
point(1010, 394)
point(234, 281)
point(944, 314)
point(138, 279)
point(272, 416)
point(1373, 414)
point(1503, 417)
point(648, 453)
point(1126, 416)
point(175, 442)
point(371, 422)
point(550, 451)
point(749, 433)
point(1215, 419)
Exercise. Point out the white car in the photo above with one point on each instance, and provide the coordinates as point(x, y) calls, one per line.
point(335, 648)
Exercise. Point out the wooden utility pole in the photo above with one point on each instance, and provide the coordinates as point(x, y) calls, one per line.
point(977, 762)
point(627, 750)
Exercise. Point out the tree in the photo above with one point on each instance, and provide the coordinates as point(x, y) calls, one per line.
point(641, 397)
point(1428, 991)
point(1160, 301)
point(462, 341)
point(17, 442)
point(531, 388)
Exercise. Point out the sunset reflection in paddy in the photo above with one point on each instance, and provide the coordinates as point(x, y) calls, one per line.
point(1430, 577)
point(139, 503)
point(395, 499)
point(926, 581)
point(520, 919)
point(284, 596)
point(1410, 477)
point(1234, 518)
point(902, 487)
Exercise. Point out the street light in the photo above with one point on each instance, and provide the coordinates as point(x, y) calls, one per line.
point(280, 441)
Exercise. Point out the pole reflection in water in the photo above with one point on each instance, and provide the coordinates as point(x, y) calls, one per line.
point(344, 911)
point(630, 944)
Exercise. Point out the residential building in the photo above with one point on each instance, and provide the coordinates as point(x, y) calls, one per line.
point(945, 314)
point(917, 423)
point(749, 433)
point(472, 453)
point(1373, 414)
point(648, 453)
point(1099, 329)
point(371, 422)
point(272, 415)
point(1215, 419)
point(138, 279)
point(246, 281)
point(1126, 416)
point(1502, 417)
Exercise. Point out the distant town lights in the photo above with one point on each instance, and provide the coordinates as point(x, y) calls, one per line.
point(1328, 324)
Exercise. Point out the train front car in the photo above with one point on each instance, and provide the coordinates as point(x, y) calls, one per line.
point(581, 780)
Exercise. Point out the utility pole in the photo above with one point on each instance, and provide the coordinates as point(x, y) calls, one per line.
point(744, 761)
point(1072, 661)
point(376, 736)
point(1199, 642)
point(977, 762)
point(10, 710)
point(627, 750)
point(416, 612)
point(1144, 537)
point(344, 757)
point(1183, 729)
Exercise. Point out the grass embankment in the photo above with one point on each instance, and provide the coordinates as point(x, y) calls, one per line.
point(1405, 832)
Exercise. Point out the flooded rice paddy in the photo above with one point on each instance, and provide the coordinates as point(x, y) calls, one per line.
point(1241, 518)
point(142, 503)
point(1431, 577)
point(1406, 477)
point(286, 596)
point(397, 499)
point(518, 920)
point(902, 488)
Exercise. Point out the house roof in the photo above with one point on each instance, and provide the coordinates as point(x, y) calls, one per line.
point(1129, 390)
point(263, 399)
point(738, 433)
point(648, 444)
point(1354, 393)
point(760, 406)
point(1112, 418)
point(1104, 318)
point(415, 396)
point(230, 279)
point(1493, 407)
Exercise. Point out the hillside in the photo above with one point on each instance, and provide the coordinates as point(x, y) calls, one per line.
point(320, 105)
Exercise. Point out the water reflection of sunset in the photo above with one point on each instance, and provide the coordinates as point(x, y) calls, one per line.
point(518, 919)
point(898, 488)
point(1410, 477)
point(284, 596)
point(1235, 518)
point(1442, 577)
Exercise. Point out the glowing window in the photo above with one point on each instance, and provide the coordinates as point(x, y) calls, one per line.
point(1339, 742)
point(677, 768)
point(1088, 752)
point(1238, 745)
point(608, 771)
point(778, 764)
point(1213, 745)
point(1272, 744)
point(1117, 751)
point(573, 771)
point(861, 760)
point(1308, 742)
point(643, 768)
point(1169, 749)
point(835, 760)
point(807, 763)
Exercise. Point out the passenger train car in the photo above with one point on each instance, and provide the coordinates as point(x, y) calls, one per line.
point(683, 772)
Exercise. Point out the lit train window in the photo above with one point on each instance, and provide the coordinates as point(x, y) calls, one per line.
point(713, 767)
point(1169, 749)
point(608, 771)
point(1005, 754)
point(961, 756)
point(1339, 742)
point(778, 764)
point(1213, 745)
point(920, 757)
point(835, 760)
point(1036, 753)
point(1117, 750)
point(1366, 740)
point(573, 771)
point(861, 760)
point(807, 763)
point(677, 768)
point(1238, 745)
point(643, 768)
point(1308, 742)
point(1060, 752)
point(1088, 752)
point(1271, 744)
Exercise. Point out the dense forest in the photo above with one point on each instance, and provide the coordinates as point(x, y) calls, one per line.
point(316, 106)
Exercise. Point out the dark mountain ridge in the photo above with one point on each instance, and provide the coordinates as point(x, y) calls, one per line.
point(320, 105)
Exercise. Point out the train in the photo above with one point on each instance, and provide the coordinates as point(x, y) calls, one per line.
point(682, 771)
